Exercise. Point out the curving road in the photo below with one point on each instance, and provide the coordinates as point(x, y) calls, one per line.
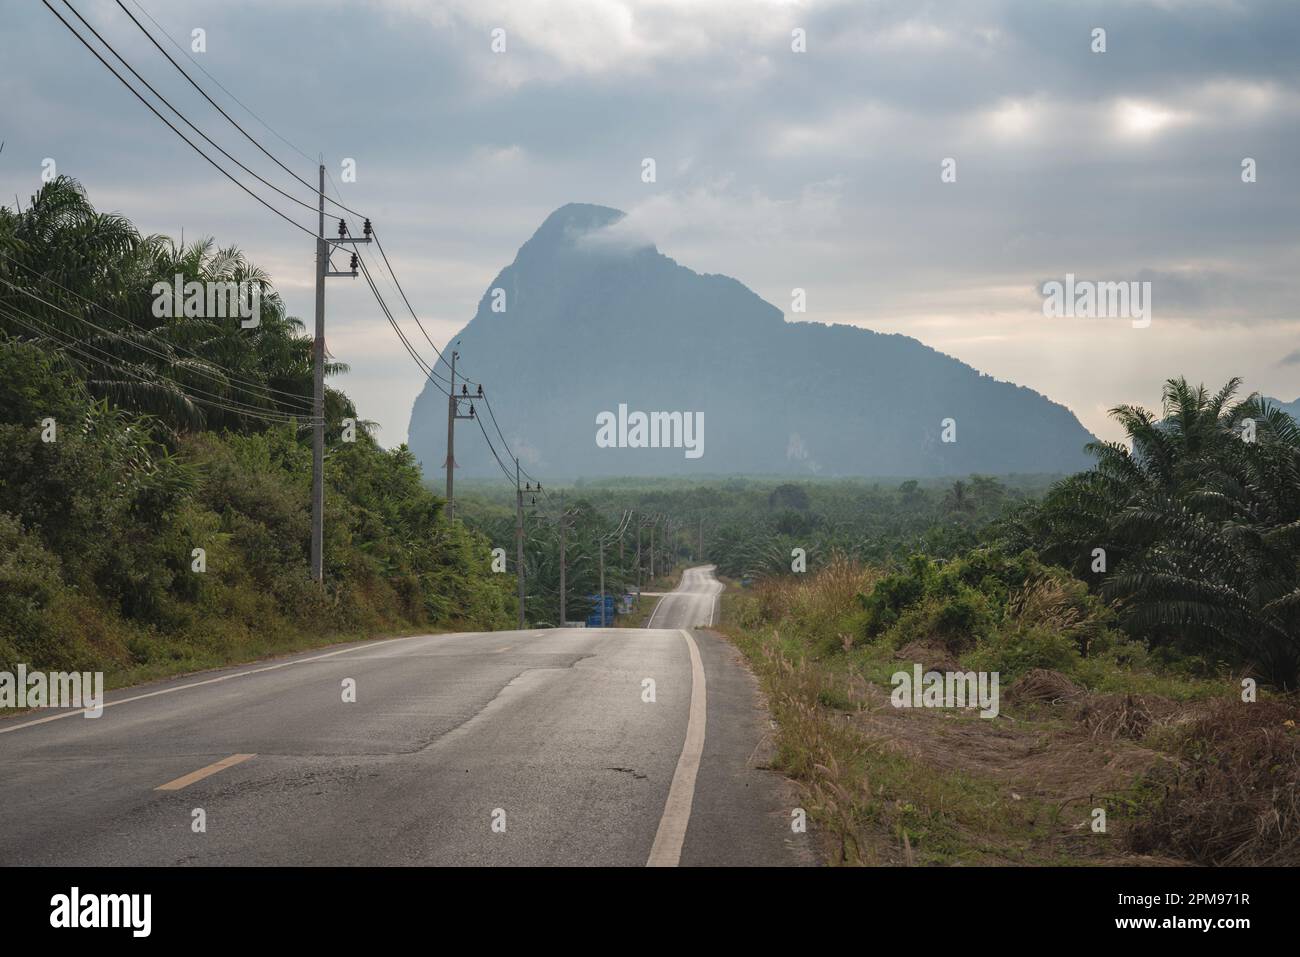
point(498, 748)
point(693, 604)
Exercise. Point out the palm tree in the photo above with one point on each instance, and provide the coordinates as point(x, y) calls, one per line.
point(82, 282)
point(1199, 526)
point(957, 501)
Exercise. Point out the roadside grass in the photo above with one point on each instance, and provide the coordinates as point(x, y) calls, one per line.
point(873, 802)
point(1182, 770)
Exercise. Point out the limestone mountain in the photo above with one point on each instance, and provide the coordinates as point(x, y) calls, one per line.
point(585, 321)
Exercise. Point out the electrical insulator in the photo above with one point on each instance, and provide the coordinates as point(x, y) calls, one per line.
point(365, 229)
point(471, 410)
point(464, 390)
point(343, 229)
point(354, 262)
point(534, 500)
point(480, 390)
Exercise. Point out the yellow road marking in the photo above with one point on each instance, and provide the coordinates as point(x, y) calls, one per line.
point(201, 773)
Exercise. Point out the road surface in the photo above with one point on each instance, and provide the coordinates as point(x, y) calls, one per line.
point(694, 603)
point(540, 747)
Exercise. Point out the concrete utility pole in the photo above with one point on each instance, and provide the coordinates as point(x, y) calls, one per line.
point(454, 413)
point(602, 542)
point(451, 439)
point(564, 519)
point(323, 272)
point(602, 583)
point(652, 551)
point(519, 542)
point(318, 400)
point(639, 526)
point(701, 554)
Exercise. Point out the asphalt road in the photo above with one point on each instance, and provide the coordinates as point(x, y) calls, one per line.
point(546, 747)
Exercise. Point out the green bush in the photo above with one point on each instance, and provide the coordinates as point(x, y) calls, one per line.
point(100, 525)
point(955, 621)
point(1014, 650)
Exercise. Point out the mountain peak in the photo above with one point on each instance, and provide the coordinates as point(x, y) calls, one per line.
point(572, 220)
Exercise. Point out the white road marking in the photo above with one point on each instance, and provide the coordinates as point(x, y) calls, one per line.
point(667, 848)
point(212, 681)
point(659, 604)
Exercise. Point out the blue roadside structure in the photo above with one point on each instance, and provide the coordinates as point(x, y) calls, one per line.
point(593, 619)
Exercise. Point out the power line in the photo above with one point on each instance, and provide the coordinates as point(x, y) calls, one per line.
point(204, 94)
point(219, 109)
point(47, 331)
point(380, 245)
point(510, 478)
point(429, 370)
point(126, 339)
point(155, 112)
point(204, 71)
point(229, 374)
point(424, 367)
point(149, 86)
point(231, 405)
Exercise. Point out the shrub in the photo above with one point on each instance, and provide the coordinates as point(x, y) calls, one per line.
point(1018, 649)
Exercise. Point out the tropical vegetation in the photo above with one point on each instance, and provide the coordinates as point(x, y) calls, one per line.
point(154, 492)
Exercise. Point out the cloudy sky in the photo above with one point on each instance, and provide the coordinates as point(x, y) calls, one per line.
point(818, 170)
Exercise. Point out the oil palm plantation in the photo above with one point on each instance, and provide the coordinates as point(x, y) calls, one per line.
point(1193, 528)
point(82, 281)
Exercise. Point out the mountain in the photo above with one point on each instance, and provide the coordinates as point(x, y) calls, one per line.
point(587, 320)
point(1290, 408)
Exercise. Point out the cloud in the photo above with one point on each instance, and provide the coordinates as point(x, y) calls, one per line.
point(546, 40)
point(722, 210)
point(817, 170)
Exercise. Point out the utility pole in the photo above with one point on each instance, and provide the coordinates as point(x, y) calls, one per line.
point(563, 563)
point(519, 524)
point(451, 439)
point(323, 272)
point(602, 583)
point(639, 526)
point(602, 542)
point(519, 542)
point(701, 539)
point(454, 413)
point(652, 550)
point(318, 400)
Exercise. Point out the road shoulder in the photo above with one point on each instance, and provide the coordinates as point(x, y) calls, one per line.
point(742, 813)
